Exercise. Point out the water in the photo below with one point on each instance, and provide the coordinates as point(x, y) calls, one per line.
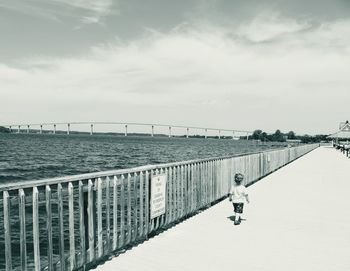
point(29, 157)
point(34, 156)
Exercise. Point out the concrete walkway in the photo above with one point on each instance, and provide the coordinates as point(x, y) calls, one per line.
point(298, 219)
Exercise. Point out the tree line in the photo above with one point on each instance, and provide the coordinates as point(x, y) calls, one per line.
point(279, 136)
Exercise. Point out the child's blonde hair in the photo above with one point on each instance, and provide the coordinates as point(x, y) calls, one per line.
point(239, 178)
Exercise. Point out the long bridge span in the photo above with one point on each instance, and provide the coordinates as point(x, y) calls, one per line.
point(52, 126)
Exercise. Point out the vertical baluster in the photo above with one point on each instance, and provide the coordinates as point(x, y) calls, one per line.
point(129, 210)
point(36, 241)
point(22, 222)
point(176, 191)
point(170, 198)
point(191, 187)
point(60, 225)
point(90, 212)
point(122, 211)
point(177, 187)
point(108, 217)
point(181, 179)
point(7, 229)
point(71, 226)
point(135, 208)
point(141, 204)
point(49, 228)
point(156, 219)
point(162, 221)
point(99, 218)
point(147, 203)
point(82, 224)
point(173, 180)
point(182, 198)
point(167, 202)
point(115, 213)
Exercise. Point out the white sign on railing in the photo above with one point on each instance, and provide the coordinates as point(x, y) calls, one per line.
point(158, 194)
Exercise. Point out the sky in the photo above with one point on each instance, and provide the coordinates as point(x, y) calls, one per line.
point(235, 64)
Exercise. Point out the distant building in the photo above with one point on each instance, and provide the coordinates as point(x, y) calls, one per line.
point(343, 133)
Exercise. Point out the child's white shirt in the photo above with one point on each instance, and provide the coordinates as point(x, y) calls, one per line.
point(238, 193)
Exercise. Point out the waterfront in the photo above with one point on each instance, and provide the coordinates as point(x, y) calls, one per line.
point(33, 156)
point(25, 157)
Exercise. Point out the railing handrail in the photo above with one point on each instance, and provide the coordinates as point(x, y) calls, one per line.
point(99, 174)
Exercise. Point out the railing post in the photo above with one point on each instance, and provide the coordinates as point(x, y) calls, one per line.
point(71, 226)
point(187, 132)
point(41, 129)
point(10, 129)
point(91, 129)
point(68, 128)
point(141, 204)
point(49, 228)
point(126, 130)
point(169, 131)
point(19, 129)
point(108, 222)
point(82, 224)
point(115, 214)
point(54, 129)
point(60, 227)
point(22, 221)
point(205, 133)
point(36, 241)
point(219, 134)
point(7, 230)
point(27, 129)
point(247, 135)
point(90, 212)
point(233, 134)
point(152, 132)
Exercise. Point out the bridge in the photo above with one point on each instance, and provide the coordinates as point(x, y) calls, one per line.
point(78, 222)
point(52, 126)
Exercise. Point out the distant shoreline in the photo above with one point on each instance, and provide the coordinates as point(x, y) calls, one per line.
point(4, 130)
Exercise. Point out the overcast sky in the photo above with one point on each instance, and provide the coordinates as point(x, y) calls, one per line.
point(235, 64)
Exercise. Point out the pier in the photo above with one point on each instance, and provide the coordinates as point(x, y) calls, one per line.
point(297, 220)
point(77, 222)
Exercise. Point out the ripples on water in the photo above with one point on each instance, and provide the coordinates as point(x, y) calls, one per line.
point(34, 156)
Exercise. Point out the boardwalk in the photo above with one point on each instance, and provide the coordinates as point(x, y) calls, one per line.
point(298, 220)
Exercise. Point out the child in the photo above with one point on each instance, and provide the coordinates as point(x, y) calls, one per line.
point(238, 195)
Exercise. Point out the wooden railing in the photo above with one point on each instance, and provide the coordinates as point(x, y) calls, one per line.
point(73, 222)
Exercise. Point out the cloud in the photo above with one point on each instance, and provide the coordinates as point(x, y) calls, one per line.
point(86, 11)
point(95, 9)
point(197, 75)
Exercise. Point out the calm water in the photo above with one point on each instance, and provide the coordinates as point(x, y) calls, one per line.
point(28, 157)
